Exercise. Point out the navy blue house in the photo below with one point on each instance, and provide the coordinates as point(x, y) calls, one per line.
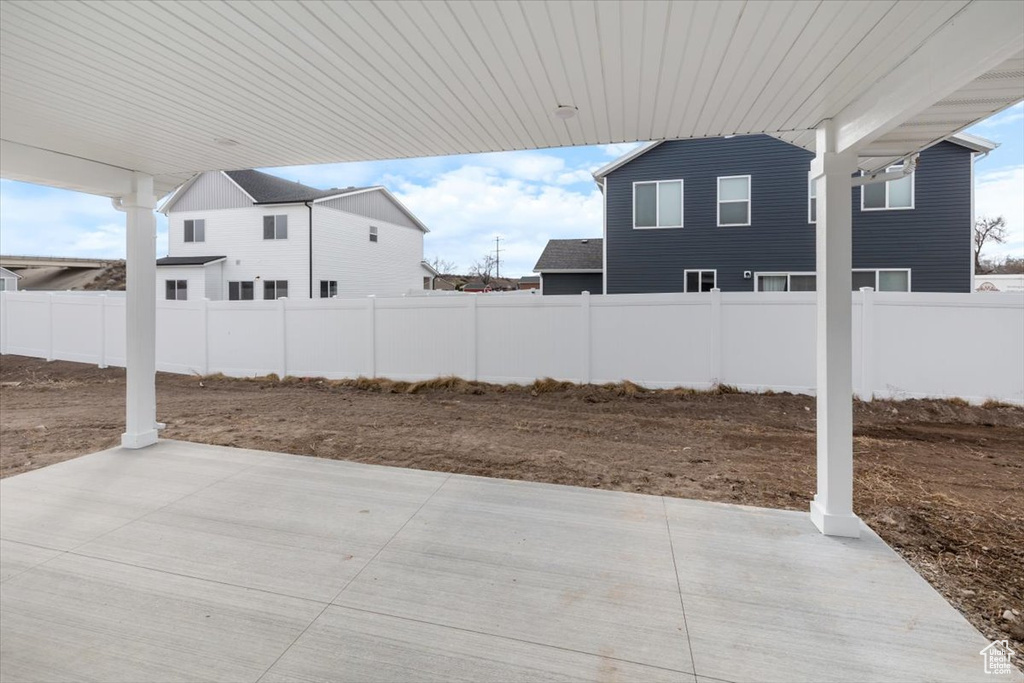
point(738, 214)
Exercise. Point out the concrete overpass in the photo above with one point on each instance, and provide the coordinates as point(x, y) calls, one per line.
point(21, 262)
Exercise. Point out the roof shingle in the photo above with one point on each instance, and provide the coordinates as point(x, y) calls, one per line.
point(267, 189)
point(578, 254)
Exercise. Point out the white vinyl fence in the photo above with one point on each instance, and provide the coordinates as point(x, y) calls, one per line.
point(905, 345)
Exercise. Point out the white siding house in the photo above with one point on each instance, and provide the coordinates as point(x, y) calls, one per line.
point(247, 234)
point(8, 280)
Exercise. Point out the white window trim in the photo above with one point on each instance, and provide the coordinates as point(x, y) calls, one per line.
point(699, 270)
point(913, 195)
point(878, 272)
point(788, 274)
point(177, 288)
point(812, 187)
point(657, 204)
point(374, 234)
point(749, 200)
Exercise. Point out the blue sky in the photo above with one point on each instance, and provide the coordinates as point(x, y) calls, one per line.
point(526, 197)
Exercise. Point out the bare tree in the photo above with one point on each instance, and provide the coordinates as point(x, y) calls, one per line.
point(484, 269)
point(987, 230)
point(442, 266)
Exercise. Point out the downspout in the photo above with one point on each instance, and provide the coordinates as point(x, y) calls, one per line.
point(309, 206)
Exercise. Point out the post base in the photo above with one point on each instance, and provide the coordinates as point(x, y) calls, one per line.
point(847, 525)
point(139, 440)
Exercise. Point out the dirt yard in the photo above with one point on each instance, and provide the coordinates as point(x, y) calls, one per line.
point(941, 482)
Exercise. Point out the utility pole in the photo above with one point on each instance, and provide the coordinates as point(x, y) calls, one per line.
point(497, 256)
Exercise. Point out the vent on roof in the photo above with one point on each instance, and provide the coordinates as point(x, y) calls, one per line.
point(584, 241)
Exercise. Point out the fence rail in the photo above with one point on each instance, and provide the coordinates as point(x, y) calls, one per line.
point(905, 345)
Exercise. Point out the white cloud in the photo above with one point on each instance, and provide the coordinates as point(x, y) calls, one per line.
point(1001, 193)
point(1009, 115)
point(619, 148)
point(466, 207)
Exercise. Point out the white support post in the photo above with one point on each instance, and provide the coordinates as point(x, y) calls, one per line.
point(716, 337)
point(867, 347)
point(3, 322)
point(832, 508)
point(140, 314)
point(471, 356)
point(103, 332)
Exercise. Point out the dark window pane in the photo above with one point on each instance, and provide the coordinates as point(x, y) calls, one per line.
point(190, 231)
point(863, 279)
point(707, 280)
point(170, 295)
point(247, 291)
point(874, 195)
point(334, 287)
point(282, 289)
point(268, 289)
point(182, 290)
point(282, 227)
point(814, 210)
point(802, 283)
point(268, 227)
point(323, 289)
point(693, 281)
point(232, 291)
point(200, 230)
point(733, 213)
point(646, 207)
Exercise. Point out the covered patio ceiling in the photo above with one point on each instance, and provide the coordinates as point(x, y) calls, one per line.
point(169, 89)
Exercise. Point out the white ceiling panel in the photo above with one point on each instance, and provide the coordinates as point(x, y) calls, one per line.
point(171, 88)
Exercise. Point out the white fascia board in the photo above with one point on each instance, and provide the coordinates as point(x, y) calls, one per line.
point(387, 193)
point(429, 268)
point(626, 158)
point(973, 142)
point(177, 194)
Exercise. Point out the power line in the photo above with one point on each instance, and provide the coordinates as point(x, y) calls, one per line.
point(497, 256)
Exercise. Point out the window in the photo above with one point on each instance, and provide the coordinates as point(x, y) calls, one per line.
point(240, 291)
point(896, 280)
point(879, 280)
point(892, 194)
point(195, 230)
point(373, 233)
point(275, 227)
point(275, 289)
point(699, 280)
point(328, 288)
point(812, 202)
point(177, 290)
point(658, 204)
point(734, 200)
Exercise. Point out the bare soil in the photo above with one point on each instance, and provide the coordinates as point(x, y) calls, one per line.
point(940, 481)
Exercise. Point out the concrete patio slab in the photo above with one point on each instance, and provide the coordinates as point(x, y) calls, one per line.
point(193, 562)
point(350, 645)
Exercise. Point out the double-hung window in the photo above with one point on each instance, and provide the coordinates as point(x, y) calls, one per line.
point(892, 194)
point(328, 288)
point(240, 290)
point(658, 204)
point(275, 227)
point(894, 280)
point(195, 230)
point(699, 280)
point(177, 290)
point(275, 289)
point(733, 200)
point(373, 233)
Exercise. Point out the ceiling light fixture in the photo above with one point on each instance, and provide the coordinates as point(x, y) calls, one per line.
point(566, 111)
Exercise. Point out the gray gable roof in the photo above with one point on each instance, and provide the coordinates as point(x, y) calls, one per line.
point(579, 254)
point(188, 260)
point(268, 189)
